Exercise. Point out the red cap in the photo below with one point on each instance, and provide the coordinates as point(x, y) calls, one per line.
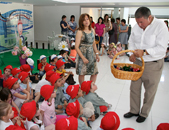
point(28, 110)
point(1, 74)
point(73, 109)
point(70, 123)
point(23, 75)
point(59, 63)
point(15, 71)
point(163, 126)
point(46, 91)
point(54, 78)
point(8, 67)
point(13, 127)
point(85, 86)
point(9, 82)
point(49, 67)
point(110, 121)
point(72, 90)
point(25, 68)
point(49, 74)
point(128, 129)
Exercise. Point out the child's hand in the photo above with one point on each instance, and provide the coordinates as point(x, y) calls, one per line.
point(65, 104)
point(60, 107)
point(92, 118)
point(84, 120)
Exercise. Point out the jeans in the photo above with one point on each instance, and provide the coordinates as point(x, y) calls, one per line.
point(99, 45)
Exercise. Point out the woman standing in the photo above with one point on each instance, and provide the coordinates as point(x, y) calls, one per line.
point(113, 32)
point(100, 30)
point(72, 26)
point(86, 50)
point(64, 26)
point(123, 30)
point(107, 29)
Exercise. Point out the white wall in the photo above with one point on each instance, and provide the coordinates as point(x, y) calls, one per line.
point(94, 12)
point(154, 10)
point(47, 19)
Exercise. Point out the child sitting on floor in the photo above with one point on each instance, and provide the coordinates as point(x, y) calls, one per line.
point(53, 60)
point(73, 52)
point(89, 88)
point(42, 65)
point(60, 99)
point(7, 72)
point(33, 77)
point(103, 48)
point(68, 59)
point(71, 123)
point(30, 111)
point(75, 109)
point(110, 121)
point(60, 69)
point(6, 114)
point(6, 96)
point(119, 48)
point(44, 81)
point(26, 68)
point(112, 50)
point(47, 108)
point(48, 67)
point(12, 84)
point(26, 85)
point(76, 94)
point(15, 72)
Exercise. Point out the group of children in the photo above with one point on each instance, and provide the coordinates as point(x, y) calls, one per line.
point(62, 102)
point(112, 50)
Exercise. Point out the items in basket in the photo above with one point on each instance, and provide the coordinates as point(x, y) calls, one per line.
point(127, 68)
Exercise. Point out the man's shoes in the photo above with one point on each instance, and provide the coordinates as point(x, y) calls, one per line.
point(129, 114)
point(140, 119)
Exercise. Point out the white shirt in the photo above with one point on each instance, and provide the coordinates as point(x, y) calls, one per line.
point(4, 125)
point(40, 84)
point(30, 124)
point(153, 39)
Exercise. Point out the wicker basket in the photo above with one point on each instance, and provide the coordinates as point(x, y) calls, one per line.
point(120, 74)
point(97, 41)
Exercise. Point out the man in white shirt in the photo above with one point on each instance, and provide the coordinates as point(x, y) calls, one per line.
point(149, 40)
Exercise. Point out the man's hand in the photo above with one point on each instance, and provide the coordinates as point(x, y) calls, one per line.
point(138, 53)
point(132, 58)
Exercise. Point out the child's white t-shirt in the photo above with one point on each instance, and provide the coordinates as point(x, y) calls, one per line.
point(30, 124)
point(40, 84)
point(4, 125)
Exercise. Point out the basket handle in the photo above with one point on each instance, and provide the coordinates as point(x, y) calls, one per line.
point(127, 51)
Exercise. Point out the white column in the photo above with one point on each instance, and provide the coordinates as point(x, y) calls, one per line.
point(124, 12)
point(116, 13)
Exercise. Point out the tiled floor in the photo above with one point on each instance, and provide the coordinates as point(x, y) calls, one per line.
point(117, 93)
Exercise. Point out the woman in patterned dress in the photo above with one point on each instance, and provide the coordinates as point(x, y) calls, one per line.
point(87, 53)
